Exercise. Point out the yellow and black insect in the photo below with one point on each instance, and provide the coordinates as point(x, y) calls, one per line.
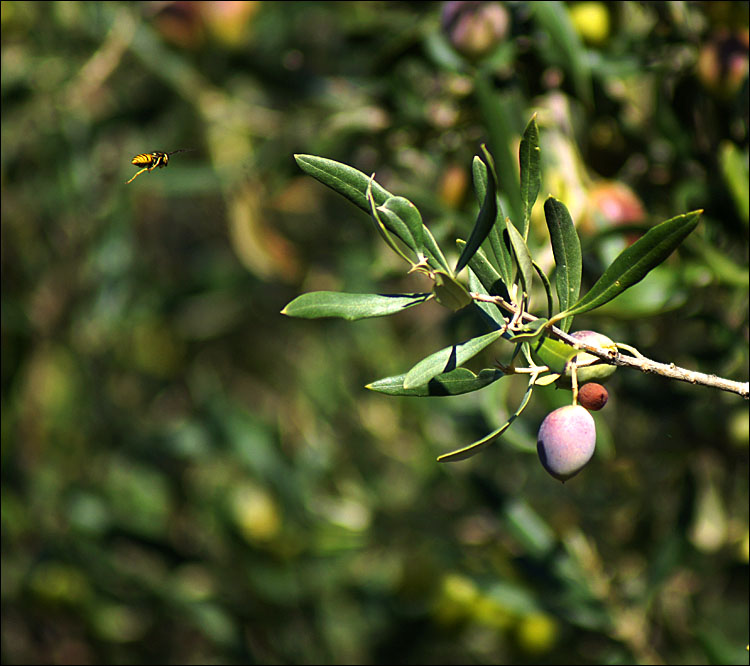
point(149, 161)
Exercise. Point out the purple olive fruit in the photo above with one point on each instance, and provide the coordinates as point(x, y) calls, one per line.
point(566, 441)
point(592, 396)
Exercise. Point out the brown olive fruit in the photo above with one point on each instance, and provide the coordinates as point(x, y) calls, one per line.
point(592, 396)
point(566, 441)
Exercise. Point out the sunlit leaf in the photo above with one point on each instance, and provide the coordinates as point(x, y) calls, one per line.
point(554, 354)
point(455, 382)
point(490, 311)
point(389, 226)
point(317, 304)
point(500, 249)
point(531, 175)
point(522, 255)
point(566, 248)
point(447, 359)
point(406, 213)
point(547, 287)
point(345, 180)
point(476, 447)
point(353, 184)
point(449, 292)
point(486, 218)
point(634, 263)
point(530, 332)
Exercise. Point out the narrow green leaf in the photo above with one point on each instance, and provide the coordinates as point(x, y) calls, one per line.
point(447, 359)
point(530, 332)
point(531, 174)
point(397, 226)
point(489, 311)
point(522, 255)
point(449, 292)
point(546, 380)
point(500, 250)
point(547, 287)
point(485, 271)
point(405, 212)
point(486, 218)
point(434, 252)
point(476, 447)
point(634, 263)
point(317, 304)
point(455, 382)
point(479, 176)
point(352, 184)
point(566, 248)
point(345, 180)
point(500, 245)
point(554, 354)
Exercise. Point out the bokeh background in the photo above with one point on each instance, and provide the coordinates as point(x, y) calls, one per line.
point(190, 477)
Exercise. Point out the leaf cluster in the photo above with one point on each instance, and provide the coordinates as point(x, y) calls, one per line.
point(501, 273)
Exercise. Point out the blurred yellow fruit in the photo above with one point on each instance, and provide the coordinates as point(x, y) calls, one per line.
point(591, 21)
point(256, 513)
point(536, 633)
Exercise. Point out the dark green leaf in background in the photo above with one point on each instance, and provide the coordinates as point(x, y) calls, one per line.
point(499, 113)
point(569, 52)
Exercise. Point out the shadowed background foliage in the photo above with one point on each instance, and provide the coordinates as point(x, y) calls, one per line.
point(190, 477)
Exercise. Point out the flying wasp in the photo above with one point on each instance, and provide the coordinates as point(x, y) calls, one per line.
point(149, 161)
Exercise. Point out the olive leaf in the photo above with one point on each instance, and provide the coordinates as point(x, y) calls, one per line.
point(454, 382)
point(318, 304)
point(566, 248)
point(476, 447)
point(346, 180)
point(500, 248)
point(531, 176)
point(449, 292)
point(635, 262)
point(447, 359)
point(486, 218)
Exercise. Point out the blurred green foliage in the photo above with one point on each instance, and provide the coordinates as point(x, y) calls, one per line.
point(189, 477)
